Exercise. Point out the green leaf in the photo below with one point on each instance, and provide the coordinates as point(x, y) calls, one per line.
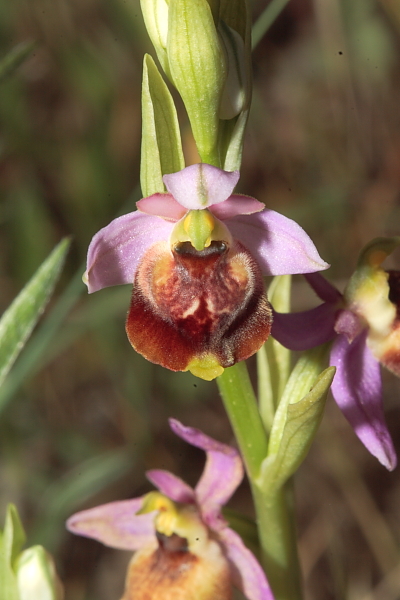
point(14, 58)
point(266, 19)
point(20, 318)
point(302, 420)
point(198, 70)
point(161, 141)
point(8, 580)
point(13, 534)
point(11, 542)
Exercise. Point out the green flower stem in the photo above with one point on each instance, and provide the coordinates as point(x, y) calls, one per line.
point(277, 533)
point(241, 405)
point(274, 513)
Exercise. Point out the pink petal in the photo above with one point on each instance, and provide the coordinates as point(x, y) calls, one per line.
point(171, 485)
point(115, 251)
point(222, 473)
point(162, 205)
point(201, 185)
point(304, 330)
point(115, 524)
point(357, 389)
point(279, 245)
point(324, 290)
point(237, 205)
point(248, 575)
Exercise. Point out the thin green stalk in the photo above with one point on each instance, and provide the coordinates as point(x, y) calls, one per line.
point(265, 20)
point(274, 514)
point(241, 405)
point(277, 532)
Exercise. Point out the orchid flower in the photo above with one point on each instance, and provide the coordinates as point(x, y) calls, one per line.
point(364, 324)
point(196, 256)
point(183, 546)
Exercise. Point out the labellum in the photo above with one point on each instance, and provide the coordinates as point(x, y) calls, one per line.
point(198, 310)
point(172, 572)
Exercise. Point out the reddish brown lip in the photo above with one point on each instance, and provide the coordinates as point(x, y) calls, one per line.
point(188, 304)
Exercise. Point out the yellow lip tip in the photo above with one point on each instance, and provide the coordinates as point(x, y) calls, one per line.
point(206, 368)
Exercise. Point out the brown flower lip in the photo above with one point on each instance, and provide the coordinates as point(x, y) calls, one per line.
point(189, 305)
point(171, 572)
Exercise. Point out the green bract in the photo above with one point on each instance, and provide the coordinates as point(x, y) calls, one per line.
point(292, 440)
point(204, 49)
point(198, 69)
point(161, 151)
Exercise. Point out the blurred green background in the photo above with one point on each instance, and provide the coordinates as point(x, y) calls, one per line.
point(82, 415)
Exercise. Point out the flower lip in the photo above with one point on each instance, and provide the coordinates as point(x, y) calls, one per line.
point(207, 308)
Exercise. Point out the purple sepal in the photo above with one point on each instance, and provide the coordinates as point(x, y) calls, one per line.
point(357, 389)
point(324, 290)
point(279, 245)
point(304, 330)
point(116, 250)
point(116, 524)
point(247, 574)
point(171, 485)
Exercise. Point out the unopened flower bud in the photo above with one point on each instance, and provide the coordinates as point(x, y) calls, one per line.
point(155, 15)
point(236, 88)
point(37, 577)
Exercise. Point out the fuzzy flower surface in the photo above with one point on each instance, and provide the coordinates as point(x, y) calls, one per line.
point(196, 256)
point(364, 324)
point(183, 547)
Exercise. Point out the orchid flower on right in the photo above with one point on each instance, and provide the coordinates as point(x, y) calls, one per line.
point(364, 324)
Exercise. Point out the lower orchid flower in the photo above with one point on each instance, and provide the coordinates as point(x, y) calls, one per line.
point(183, 547)
point(364, 324)
point(196, 256)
